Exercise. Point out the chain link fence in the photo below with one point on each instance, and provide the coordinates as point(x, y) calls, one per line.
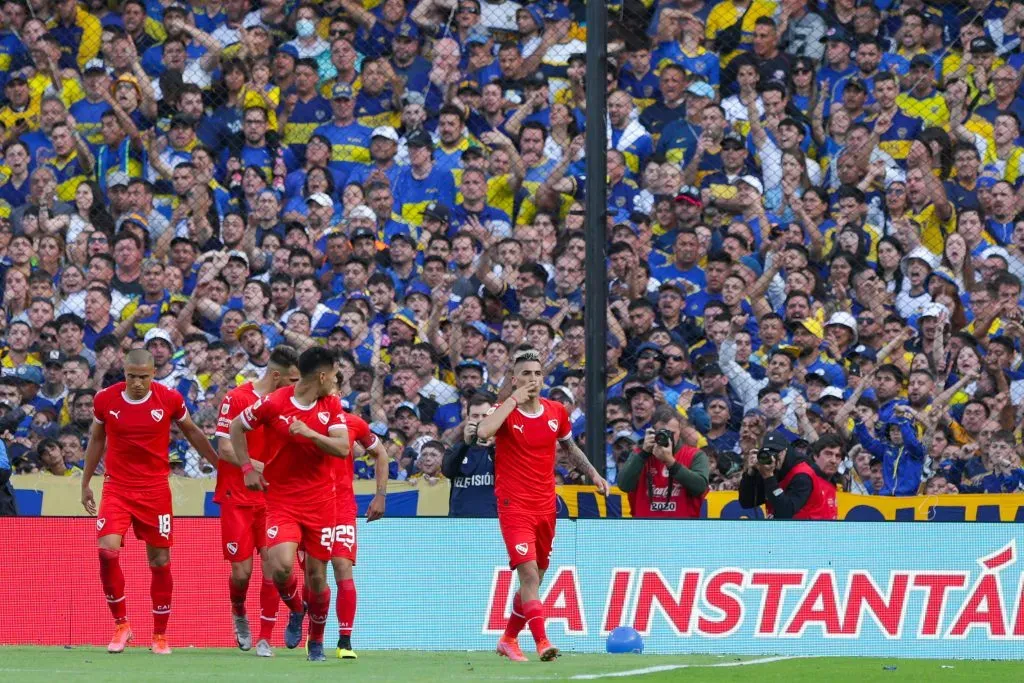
point(811, 218)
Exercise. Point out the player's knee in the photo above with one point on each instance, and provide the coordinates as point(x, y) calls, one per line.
point(280, 573)
point(342, 569)
point(109, 542)
point(241, 571)
point(161, 560)
point(529, 576)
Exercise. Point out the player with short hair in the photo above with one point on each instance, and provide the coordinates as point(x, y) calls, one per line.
point(526, 429)
point(243, 513)
point(304, 427)
point(343, 552)
point(132, 426)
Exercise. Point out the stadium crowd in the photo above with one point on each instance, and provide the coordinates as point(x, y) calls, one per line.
point(812, 220)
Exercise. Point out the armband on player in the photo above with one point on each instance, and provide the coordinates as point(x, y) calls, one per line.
point(247, 468)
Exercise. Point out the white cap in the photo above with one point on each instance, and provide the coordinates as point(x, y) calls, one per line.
point(565, 390)
point(253, 20)
point(831, 392)
point(843, 319)
point(996, 251)
point(922, 254)
point(240, 255)
point(157, 333)
point(934, 310)
point(321, 199)
point(362, 211)
point(385, 132)
point(753, 182)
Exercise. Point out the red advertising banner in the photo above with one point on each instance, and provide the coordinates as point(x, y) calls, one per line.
point(52, 596)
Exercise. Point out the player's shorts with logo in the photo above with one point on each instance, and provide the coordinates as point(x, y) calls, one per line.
point(345, 543)
point(243, 530)
point(528, 535)
point(148, 511)
point(311, 525)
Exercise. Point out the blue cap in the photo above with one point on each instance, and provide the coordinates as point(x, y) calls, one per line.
point(341, 91)
point(478, 35)
point(33, 374)
point(648, 346)
point(418, 288)
point(988, 177)
point(407, 29)
point(471, 363)
point(701, 89)
point(479, 327)
point(535, 12)
point(289, 50)
point(862, 351)
point(837, 33)
point(751, 262)
point(406, 316)
point(557, 11)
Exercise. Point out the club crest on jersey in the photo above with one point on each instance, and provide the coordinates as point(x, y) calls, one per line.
point(272, 533)
point(323, 416)
point(157, 414)
point(232, 548)
point(100, 523)
point(521, 548)
point(553, 424)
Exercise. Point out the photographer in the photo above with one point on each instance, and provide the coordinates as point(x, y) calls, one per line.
point(788, 486)
point(663, 477)
point(469, 464)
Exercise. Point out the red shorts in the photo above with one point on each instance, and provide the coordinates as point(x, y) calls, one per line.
point(311, 526)
point(243, 530)
point(345, 543)
point(149, 512)
point(528, 536)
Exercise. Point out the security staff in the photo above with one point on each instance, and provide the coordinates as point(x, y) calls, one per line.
point(469, 464)
point(663, 477)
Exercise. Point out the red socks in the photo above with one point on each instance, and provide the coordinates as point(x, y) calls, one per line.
point(238, 592)
point(269, 601)
point(345, 606)
point(534, 613)
point(112, 579)
point(160, 591)
point(517, 620)
point(319, 607)
point(289, 591)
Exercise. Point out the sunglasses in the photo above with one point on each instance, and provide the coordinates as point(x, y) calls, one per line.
point(675, 357)
point(48, 337)
point(802, 70)
point(338, 32)
point(469, 10)
point(577, 213)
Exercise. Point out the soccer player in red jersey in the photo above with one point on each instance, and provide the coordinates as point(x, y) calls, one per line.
point(243, 513)
point(526, 430)
point(343, 552)
point(304, 427)
point(132, 425)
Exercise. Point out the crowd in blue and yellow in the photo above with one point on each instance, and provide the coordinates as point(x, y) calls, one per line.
point(812, 219)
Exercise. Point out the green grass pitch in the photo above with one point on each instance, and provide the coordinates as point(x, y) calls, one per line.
point(23, 664)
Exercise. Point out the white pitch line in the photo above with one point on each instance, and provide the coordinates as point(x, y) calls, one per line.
point(673, 667)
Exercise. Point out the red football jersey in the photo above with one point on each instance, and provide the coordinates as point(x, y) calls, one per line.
point(138, 434)
point(298, 472)
point(230, 482)
point(344, 468)
point(524, 458)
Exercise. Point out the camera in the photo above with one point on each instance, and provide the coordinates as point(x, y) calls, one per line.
point(664, 438)
point(766, 456)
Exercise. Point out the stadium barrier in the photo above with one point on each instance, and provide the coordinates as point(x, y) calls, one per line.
point(789, 588)
point(45, 495)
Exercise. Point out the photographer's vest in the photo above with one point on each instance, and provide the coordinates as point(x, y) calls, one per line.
point(821, 504)
point(657, 494)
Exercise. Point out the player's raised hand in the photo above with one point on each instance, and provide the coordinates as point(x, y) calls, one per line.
point(88, 500)
point(254, 480)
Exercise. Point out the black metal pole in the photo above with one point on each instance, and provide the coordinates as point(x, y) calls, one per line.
point(596, 292)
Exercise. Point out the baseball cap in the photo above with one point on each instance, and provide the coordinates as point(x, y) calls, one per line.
point(361, 233)
point(920, 254)
point(751, 262)
point(136, 218)
point(710, 369)
point(837, 34)
point(648, 346)
point(855, 83)
point(689, 194)
point(413, 97)
point(402, 235)
point(411, 407)
point(182, 120)
point(535, 13)
point(94, 66)
point(239, 256)
point(54, 357)
point(33, 374)
point(638, 389)
point(362, 211)
point(732, 141)
point(470, 85)
point(438, 211)
point(420, 138)
point(536, 80)
point(386, 132)
point(753, 182)
point(479, 328)
point(983, 44)
point(564, 390)
point(289, 50)
point(246, 327)
point(406, 316)
point(934, 310)
point(407, 29)
point(157, 333)
point(478, 35)
point(861, 351)
point(773, 441)
point(843, 319)
point(418, 287)
point(922, 60)
point(320, 199)
point(253, 20)
point(624, 435)
point(116, 178)
point(817, 375)
point(341, 91)
point(701, 89)
point(469, 364)
point(811, 325)
point(831, 392)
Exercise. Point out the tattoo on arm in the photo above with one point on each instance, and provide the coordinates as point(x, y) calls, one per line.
point(577, 457)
